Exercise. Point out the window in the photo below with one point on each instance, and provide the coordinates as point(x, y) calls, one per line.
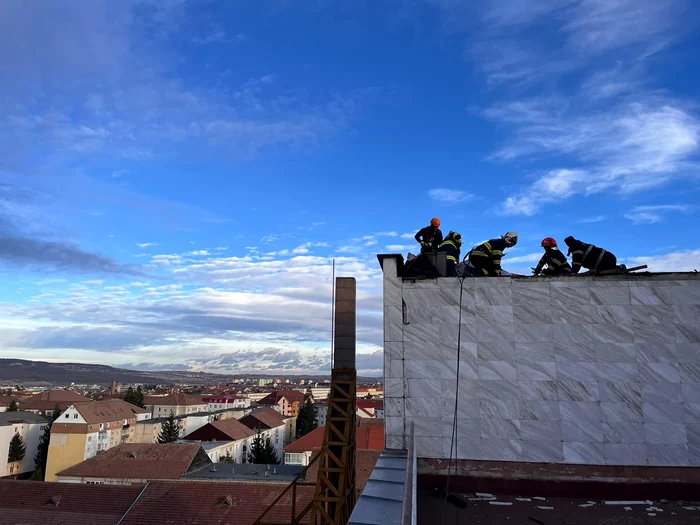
point(293, 459)
point(67, 416)
point(75, 416)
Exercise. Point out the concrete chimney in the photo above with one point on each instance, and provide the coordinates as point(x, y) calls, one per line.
point(345, 322)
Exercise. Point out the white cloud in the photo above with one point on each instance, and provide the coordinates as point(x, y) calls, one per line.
point(399, 247)
point(654, 214)
point(529, 258)
point(217, 36)
point(198, 253)
point(408, 235)
point(448, 196)
point(684, 261)
point(269, 238)
point(387, 234)
point(146, 244)
point(305, 248)
point(591, 220)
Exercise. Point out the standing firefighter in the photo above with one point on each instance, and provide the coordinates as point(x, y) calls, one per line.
point(589, 256)
point(452, 245)
point(486, 258)
point(430, 237)
point(554, 260)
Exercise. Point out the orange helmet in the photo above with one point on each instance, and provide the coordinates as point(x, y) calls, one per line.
point(549, 242)
point(435, 222)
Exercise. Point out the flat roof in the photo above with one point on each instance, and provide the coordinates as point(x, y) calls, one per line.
point(247, 472)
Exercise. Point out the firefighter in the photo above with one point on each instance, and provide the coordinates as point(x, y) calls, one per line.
point(589, 256)
point(554, 260)
point(486, 258)
point(452, 245)
point(430, 237)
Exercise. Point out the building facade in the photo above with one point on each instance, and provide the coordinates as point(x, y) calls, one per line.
point(177, 404)
point(30, 427)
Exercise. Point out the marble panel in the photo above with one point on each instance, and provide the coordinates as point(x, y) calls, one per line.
point(501, 449)
point(612, 314)
point(422, 333)
point(423, 369)
point(466, 408)
point(494, 314)
point(490, 370)
point(534, 333)
point(423, 406)
point(496, 352)
point(393, 314)
point(432, 350)
point(466, 427)
point(687, 333)
point(445, 314)
point(691, 392)
point(665, 433)
point(505, 390)
point(578, 391)
point(694, 455)
point(532, 293)
point(618, 372)
point(564, 283)
point(656, 353)
point(467, 370)
point(650, 333)
point(659, 372)
point(468, 389)
point(447, 333)
point(659, 314)
point(528, 352)
point(569, 296)
point(690, 372)
point(449, 293)
point(393, 388)
point(424, 388)
point(532, 314)
point(540, 430)
point(499, 409)
point(615, 352)
point(663, 412)
point(393, 350)
point(621, 392)
point(565, 333)
point(685, 295)
point(394, 442)
point(667, 455)
point(573, 314)
point(688, 352)
point(488, 332)
point(574, 351)
point(392, 290)
point(692, 430)
point(393, 332)
point(394, 406)
point(625, 454)
point(393, 368)
point(576, 371)
point(468, 351)
point(420, 297)
point(394, 426)
point(431, 284)
point(542, 451)
point(426, 313)
point(662, 392)
point(539, 410)
point(584, 453)
point(470, 313)
point(494, 296)
point(612, 333)
point(581, 411)
point(466, 448)
point(650, 295)
point(606, 295)
point(613, 412)
point(686, 313)
point(536, 371)
point(500, 428)
point(692, 412)
point(428, 447)
point(623, 432)
point(425, 426)
point(538, 390)
point(480, 282)
point(582, 431)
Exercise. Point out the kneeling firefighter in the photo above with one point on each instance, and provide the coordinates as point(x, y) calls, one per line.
point(556, 262)
point(452, 246)
point(589, 256)
point(486, 258)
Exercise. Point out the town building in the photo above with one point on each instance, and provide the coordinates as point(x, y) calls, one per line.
point(286, 402)
point(281, 430)
point(30, 427)
point(85, 429)
point(45, 402)
point(233, 434)
point(225, 402)
point(137, 463)
point(178, 404)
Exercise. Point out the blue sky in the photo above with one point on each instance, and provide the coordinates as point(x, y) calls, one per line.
point(177, 176)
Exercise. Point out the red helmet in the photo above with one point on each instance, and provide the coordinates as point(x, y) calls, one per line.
point(549, 242)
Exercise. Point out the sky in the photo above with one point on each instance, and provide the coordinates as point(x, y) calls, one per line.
point(176, 176)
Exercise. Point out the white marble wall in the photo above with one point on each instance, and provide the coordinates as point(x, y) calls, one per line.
point(577, 370)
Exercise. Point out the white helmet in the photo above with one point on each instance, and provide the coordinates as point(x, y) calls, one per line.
point(511, 238)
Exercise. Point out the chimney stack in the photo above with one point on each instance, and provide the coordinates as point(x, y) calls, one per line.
point(345, 322)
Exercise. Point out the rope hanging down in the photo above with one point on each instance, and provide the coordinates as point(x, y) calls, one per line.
point(453, 441)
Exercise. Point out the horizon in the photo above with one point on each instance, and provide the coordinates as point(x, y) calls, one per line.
point(179, 177)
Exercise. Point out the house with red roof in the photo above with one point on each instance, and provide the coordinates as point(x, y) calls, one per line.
point(287, 402)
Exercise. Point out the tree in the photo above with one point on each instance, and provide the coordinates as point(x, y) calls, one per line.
point(13, 406)
point(42, 452)
point(169, 432)
point(262, 450)
point(226, 458)
point(135, 397)
point(139, 397)
point(17, 449)
point(307, 420)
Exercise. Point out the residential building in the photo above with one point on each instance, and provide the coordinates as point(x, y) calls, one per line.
point(321, 393)
point(263, 381)
point(225, 402)
point(366, 407)
point(255, 396)
point(44, 403)
point(272, 424)
point(237, 435)
point(287, 401)
point(321, 412)
point(379, 409)
point(179, 404)
point(5, 402)
point(367, 391)
point(85, 429)
point(30, 427)
point(137, 463)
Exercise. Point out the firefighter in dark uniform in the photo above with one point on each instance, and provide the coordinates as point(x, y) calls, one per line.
point(486, 258)
point(556, 262)
point(452, 246)
point(589, 256)
point(430, 237)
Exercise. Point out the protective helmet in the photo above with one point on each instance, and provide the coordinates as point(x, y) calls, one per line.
point(435, 222)
point(549, 242)
point(511, 238)
point(457, 237)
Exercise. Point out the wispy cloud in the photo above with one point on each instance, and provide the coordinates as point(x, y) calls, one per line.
point(399, 247)
point(529, 258)
point(654, 214)
point(449, 196)
point(591, 220)
point(682, 261)
point(218, 36)
point(146, 244)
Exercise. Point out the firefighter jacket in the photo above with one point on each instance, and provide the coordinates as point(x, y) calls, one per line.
point(430, 236)
point(587, 255)
point(555, 260)
point(451, 248)
point(491, 251)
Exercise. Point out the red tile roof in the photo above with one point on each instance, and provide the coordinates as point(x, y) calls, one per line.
point(203, 503)
point(141, 461)
point(50, 398)
point(369, 437)
point(221, 398)
point(171, 400)
point(310, 441)
point(231, 428)
point(290, 395)
point(263, 417)
point(105, 411)
point(29, 502)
